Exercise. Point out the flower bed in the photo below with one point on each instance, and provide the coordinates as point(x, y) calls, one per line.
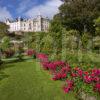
point(76, 79)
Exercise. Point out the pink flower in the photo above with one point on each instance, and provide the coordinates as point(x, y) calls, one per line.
point(92, 75)
point(96, 72)
point(42, 57)
point(45, 65)
point(97, 87)
point(74, 74)
point(70, 83)
point(57, 76)
point(63, 75)
point(52, 66)
point(80, 72)
point(67, 88)
point(65, 70)
point(30, 52)
point(87, 79)
point(59, 63)
point(56, 64)
point(96, 79)
point(86, 73)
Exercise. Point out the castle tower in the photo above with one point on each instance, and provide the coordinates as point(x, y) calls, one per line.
point(7, 21)
point(39, 22)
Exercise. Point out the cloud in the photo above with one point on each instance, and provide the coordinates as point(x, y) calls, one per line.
point(24, 5)
point(4, 13)
point(49, 9)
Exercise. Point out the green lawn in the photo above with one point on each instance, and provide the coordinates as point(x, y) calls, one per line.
point(28, 81)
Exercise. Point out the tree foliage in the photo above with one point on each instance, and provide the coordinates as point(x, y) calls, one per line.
point(79, 14)
point(55, 25)
point(5, 43)
point(3, 29)
point(97, 25)
point(47, 44)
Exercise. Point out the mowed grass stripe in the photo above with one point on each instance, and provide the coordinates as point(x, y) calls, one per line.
point(28, 81)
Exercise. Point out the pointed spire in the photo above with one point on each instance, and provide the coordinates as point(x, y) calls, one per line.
point(39, 13)
point(19, 18)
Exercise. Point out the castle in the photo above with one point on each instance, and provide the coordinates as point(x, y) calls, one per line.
point(38, 24)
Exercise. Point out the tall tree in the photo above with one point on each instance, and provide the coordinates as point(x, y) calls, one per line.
point(55, 25)
point(97, 37)
point(97, 25)
point(79, 14)
point(5, 43)
point(3, 29)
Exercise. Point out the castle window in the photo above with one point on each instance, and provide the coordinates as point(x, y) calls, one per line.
point(29, 26)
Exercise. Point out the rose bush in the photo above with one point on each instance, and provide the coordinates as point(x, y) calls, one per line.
point(61, 70)
point(76, 79)
point(42, 57)
point(8, 53)
point(30, 52)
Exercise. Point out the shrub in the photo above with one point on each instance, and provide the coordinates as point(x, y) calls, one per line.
point(42, 57)
point(77, 79)
point(9, 53)
point(30, 52)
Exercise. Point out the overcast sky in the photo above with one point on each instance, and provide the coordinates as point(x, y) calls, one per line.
point(28, 8)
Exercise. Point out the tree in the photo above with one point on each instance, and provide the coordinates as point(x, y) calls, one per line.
point(85, 41)
point(97, 25)
point(47, 44)
point(79, 14)
point(5, 43)
point(3, 29)
point(96, 39)
point(70, 39)
point(55, 25)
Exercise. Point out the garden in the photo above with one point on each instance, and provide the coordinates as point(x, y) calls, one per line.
point(27, 81)
point(37, 75)
point(61, 64)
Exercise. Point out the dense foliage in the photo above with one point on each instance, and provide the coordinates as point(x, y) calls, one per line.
point(3, 29)
point(76, 79)
point(79, 14)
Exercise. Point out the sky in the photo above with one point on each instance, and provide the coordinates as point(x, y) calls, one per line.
point(28, 8)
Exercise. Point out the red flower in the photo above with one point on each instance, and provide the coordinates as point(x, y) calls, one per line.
point(96, 79)
point(63, 75)
point(42, 57)
point(57, 76)
point(87, 79)
point(66, 89)
point(97, 87)
point(73, 74)
point(31, 52)
point(65, 69)
point(59, 63)
point(45, 65)
point(69, 86)
point(52, 66)
point(86, 73)
point(80, 72)
point(96, 72)
point(92, 75)
point(69, 82)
